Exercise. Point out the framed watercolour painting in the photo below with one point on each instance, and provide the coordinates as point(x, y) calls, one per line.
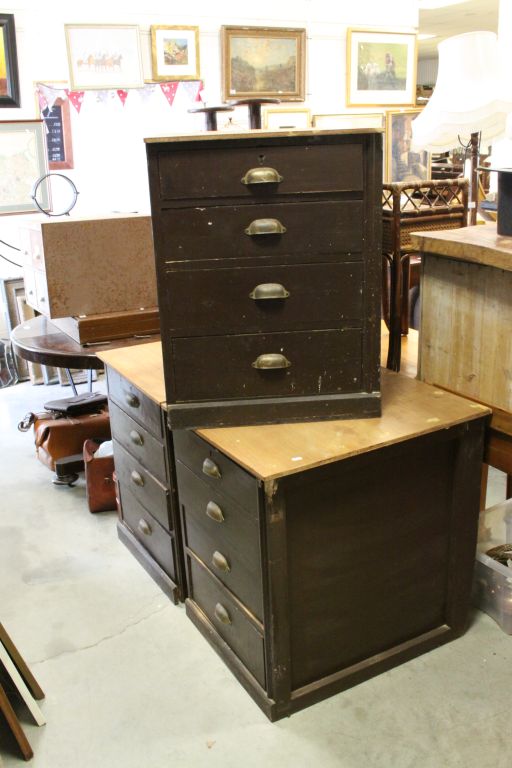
point(381, 68)
point(22, 163)
point(263, 61)
point(401, 163)
point(104, 56)
point(175, 53)
point(9, 80)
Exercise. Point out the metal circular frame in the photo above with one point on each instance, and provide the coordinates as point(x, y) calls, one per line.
point(36, 187)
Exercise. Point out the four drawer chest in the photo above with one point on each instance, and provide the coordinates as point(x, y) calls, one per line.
point(268, 259)
point(311, 556)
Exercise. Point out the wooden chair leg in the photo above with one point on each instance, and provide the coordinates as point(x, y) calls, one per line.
point(20, 665)
point(404, 295)
point(483, 486)
point(395, 322)
point(14, 724)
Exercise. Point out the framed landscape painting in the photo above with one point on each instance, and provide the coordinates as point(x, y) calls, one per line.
point(9, 80)
point(381, 68)
point(263, 61)
point(22, 163)
point(104, 56)
point(175, 53)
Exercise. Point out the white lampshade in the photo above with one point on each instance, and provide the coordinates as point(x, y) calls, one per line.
point(471, 94)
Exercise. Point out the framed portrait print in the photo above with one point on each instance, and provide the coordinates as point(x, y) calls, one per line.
point(401, 164)
point(281, 119)
point(9, 80)
point(354, 120)
point(263, 61)
point(104, 56)
point(381, 68)
point(22, 163)
point(175, 53)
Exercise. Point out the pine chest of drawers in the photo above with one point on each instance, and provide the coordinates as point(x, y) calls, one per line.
point(267, 252)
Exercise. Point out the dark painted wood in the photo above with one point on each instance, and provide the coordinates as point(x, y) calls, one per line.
point(316, 231)
point(134, 438)
point(15, 726)
point(21, 665)
point(320, 296)
point(212, 172)
point(137, 480)
point(141, 554)
point(134, 402)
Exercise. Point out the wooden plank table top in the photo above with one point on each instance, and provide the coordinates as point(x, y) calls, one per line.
point(480, 245)
point(409, 409)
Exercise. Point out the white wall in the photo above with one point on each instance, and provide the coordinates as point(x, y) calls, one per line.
point(110, 166)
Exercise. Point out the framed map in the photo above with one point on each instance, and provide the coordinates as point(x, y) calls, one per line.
point(22, 163)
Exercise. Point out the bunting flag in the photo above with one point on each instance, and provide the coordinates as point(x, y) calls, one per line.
point(194, 89)
point(146, 93)
point(169, 91)
point(200, 91)
point(123, 95)
point(76, 98)
point(101, 96)
point(41, 99)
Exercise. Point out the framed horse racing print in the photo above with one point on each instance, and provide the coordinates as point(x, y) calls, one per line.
point(104, 56)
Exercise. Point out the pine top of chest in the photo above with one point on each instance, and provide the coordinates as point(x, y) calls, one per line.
point(250, 135)
point(410, 408)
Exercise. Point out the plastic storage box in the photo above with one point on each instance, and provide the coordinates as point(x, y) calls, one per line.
point(492, 583)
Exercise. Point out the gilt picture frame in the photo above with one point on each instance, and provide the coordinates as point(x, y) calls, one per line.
point(402, 164)
point(350, 121)
point(9, 77)
point(104, 56)
point(286, 119)
point(175, 53)
point(266, 62)
point(381, 68)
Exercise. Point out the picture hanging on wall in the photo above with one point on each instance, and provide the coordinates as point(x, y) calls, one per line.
point(349, 120)
point(9, 80)
point(104, 56)
point(175, 53)
point(268, 62)
point(281, 119)
point(401, 163)
point(22, 163)
point(381, 68)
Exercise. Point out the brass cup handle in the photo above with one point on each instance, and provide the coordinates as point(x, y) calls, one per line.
point(144, 527)
point(137, 478)
point(265, 227)
point(221, 614)
point(211, 469)
point(265, 291)
point(220, 562)
point(270, 362)
point(214, 512)
point(262, 176)
point(136, 437)
point(132, 400)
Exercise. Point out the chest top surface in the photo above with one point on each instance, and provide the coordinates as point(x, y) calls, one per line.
point(410, 408)
point(479, 245)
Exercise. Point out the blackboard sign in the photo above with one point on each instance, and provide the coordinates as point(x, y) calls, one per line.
point(58, 135)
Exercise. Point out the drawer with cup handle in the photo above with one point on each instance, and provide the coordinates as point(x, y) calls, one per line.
point(139, 442)
point(134, 402)
point(148, 531)
point(149, 491)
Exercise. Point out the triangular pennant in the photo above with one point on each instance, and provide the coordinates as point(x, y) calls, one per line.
point(123, 95)
point(169, 91)
point(41, 99)
point(146, 92)
point(101, 96)
point(76, 98)
point(200, 91)
point(192, 88)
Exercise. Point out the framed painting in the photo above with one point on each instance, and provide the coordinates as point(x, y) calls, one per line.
point(401, 164)
point(104, 56)
point(381, 68)
point(350, 120)
point(22, 163)
point(282, 119)
point(9, 79)
point(263, 61)
point(175, 53)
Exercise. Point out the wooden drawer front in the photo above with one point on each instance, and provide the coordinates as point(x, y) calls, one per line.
point(147, 489)
point(216, 470)
point(221, 367)
point(228, 544)
point(228, 618)
point(139, 442)
point(217, 172)
point(158, 542)
point(29, 280)
point(136, 403)
point(42, 293)
point(314, 296)
point(315, 231)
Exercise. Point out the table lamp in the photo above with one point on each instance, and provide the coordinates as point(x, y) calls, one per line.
point(471, 97)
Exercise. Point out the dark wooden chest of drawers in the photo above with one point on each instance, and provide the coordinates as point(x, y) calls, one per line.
point(143, 455)
point(267, 253)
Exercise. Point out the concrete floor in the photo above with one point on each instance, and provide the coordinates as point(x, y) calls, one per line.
point(130, 683)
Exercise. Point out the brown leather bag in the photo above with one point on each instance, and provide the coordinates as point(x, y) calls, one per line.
point(56, 438)
point(99, 481)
